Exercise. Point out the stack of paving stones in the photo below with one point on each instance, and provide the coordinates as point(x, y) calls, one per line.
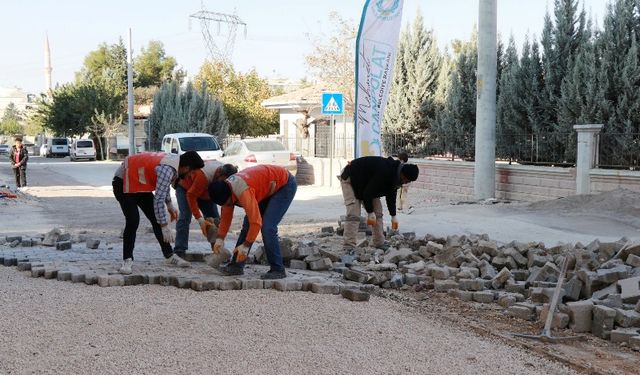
point(600, 295)
point(82, 259)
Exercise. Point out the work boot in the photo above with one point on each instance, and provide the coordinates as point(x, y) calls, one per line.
point(175, 260)
point(273, 275)
point(126, 266)
point(232, 269)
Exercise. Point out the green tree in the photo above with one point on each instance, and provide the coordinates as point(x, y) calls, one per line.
point(10, 123)
point(412, 106)
point(154, 67)
point(242, 95)
point(186, 109)
point(107, 65)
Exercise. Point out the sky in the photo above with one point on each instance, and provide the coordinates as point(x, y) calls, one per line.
point(276, 34)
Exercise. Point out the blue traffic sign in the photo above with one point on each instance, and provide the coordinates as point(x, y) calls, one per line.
point(332, 103)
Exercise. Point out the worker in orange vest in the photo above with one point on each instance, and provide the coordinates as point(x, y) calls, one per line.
point(134, 184)
point(193, 198)
point(265, 192)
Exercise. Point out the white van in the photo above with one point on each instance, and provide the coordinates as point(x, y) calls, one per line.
point(82, 149)
point(205, 144)
point(57, 147)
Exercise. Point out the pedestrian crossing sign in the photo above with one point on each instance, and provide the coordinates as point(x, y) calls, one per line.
point(332, 103)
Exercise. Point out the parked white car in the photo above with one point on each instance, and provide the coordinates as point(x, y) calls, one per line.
point(82, 149)
point(251, 152)
point(4, 149)
point(204, 144)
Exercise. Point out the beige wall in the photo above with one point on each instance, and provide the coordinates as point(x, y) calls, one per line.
point(513, 182)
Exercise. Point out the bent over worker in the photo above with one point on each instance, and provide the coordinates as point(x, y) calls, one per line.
point(134, 182)
point(265, 192)
point(193, 198)
point(364, 181)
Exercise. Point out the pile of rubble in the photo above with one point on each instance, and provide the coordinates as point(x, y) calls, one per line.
point(601, 292)
point(54, 238)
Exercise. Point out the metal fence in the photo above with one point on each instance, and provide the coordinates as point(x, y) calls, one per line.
point(618, 151)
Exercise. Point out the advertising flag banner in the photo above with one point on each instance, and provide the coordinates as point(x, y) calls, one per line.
point(375, 57)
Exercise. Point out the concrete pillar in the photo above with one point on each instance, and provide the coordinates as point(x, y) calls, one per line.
point(484, 177)
point(586, 155)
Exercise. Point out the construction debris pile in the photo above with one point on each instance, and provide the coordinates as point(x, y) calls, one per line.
point(601, 291)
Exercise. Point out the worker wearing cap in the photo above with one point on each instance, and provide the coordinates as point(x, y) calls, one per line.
point(193, 198)
point(265, 192)
point(363, 181)
point(144, 181)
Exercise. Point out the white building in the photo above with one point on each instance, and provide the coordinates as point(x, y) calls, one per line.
point(20, 98)
point(305, 130)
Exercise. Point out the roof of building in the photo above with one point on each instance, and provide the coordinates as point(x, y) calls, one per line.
point(305, 97)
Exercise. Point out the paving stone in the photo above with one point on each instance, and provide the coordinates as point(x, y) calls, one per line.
point(232, 284)
point(603, 319)
point(522, 311)
point(10, 261)
point(355, 295)
point(633, 260)
point(501, 278)
point(638, 307)
point(487, 271)
point(572, 289)
point(463, 295)
point(77, 277)
point(627, 318)
point(297, 264)
point(580, 316)
point(37, 272)
point(252, 284)
point(204, 285)
point(325, 288)
point(613, 300)
point(63, 245)
point(506, 301)
point(634, 342)
point(103, 280)
point(286, 248)
point(26, 243)
point(24, 266)
point(320, 264)
point(330, 254)
point(287, 285)
point(93, 244)
point(623, 335)
point(440, 273)
point(308, 281)
point(133, 280)
point(154, 279)
point(471, 284)
point(14, 238)
point(544, 295)
point(443, 286)
point(268, 284)
point(50, 273)
point(611, 275)
point(483, 297)
point(14, 243)
point(64, 275)
point(630, 289)
point(604, 293)
point(327, 230)
point(65, 237)
point(116, 280)
point(357, 276)
point(487, 247)
point(183, 282)
point(411, 279)
point(91, 278)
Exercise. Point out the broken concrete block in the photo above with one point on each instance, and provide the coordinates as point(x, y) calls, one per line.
point(448, 256)
point(327, 230)
point(560, 319)
point(487, 271)
point(410, 279)
point(484, 296)
point(535, 259)
point(329, 254)
point(630, 289)
point(544, 295)
point(501, 278)
point(357, 276)
point(580, 316)
point(623, 335)
point(443, 286)
point(514, 254)
point(440, 273)
point(487, 247)
point(506, 301)
point(355, 295)
point(572, 289)
point(63, 245)
point(611, 275)
point(26, 243)
point(628, 249)
point(234, 284)
point(286, 248)
point(633, 260)
point(14, 243)
point(302, 251)
point(93, 244)
point(522, 310)
point(634, 342)
point(613, 300)
point(473, 285)
point(603, 320)
point(298, 264)
point(325, 288)
point(397, 280)
point(415, 267)
point(397, 255)
point(14, 238)
point(362, 244)
point(627, 318)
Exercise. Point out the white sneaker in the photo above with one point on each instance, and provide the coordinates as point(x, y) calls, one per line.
point(177, 261)
point(126, 266)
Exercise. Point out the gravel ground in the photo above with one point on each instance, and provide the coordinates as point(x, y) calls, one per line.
point(54, 327)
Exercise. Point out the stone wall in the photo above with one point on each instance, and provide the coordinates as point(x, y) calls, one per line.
point(454, 180)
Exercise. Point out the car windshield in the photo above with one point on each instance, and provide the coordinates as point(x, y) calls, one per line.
point(265, 146)
point(199, 144)
point(59, 142)
point(84, 144)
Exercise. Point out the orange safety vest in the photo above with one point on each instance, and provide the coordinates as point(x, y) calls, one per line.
point(264, 180)
point(140, 170)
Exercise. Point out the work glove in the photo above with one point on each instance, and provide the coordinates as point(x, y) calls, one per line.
point(241, 253)
point(371, 218)
point(167, 234)
point(173, 212)
point(394, 223)
point(217, 245)
point(205, 225)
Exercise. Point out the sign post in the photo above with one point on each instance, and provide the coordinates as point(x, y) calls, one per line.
point(332, 104)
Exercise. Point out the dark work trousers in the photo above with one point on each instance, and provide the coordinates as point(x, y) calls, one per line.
point(21, 176)
point(129, 203)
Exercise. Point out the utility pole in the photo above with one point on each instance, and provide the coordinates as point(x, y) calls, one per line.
point(132, 131)
point(484, 177)
point(207, 19)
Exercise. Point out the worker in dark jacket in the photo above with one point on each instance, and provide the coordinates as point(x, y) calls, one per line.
point(364, 181)
point(19, 157)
